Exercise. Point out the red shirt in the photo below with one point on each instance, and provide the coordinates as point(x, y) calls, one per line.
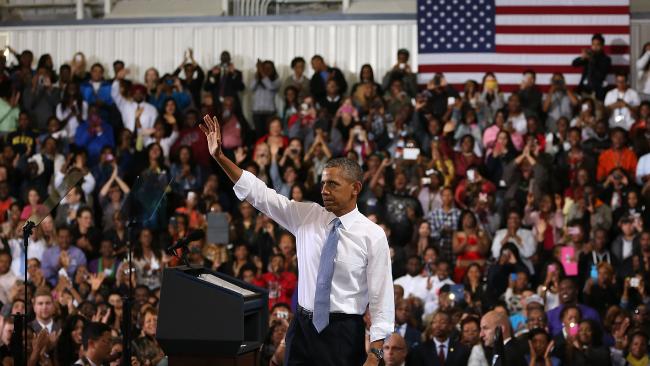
point(195, 139)
point(280, 286)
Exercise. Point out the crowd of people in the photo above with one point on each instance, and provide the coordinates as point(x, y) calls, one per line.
point(520, 217)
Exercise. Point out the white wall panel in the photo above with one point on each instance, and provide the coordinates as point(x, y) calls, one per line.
point(346, 44)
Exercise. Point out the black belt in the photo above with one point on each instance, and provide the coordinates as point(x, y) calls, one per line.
point(310, 314)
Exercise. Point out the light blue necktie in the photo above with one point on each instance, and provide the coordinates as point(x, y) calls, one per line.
point(324, 279)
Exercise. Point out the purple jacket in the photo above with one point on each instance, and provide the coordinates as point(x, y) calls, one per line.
point(555, 323)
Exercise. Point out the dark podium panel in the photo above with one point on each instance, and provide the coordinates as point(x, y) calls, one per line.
point(207, 317)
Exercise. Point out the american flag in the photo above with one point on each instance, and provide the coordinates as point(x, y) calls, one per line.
point(464, 39)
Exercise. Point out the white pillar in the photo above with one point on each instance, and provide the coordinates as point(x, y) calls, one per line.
point(80, 9)
point(346, 5)
point(107, 7)
point(225, 7)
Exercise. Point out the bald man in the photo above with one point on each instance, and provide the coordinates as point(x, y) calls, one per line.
point(489, 323)
point(395, 351)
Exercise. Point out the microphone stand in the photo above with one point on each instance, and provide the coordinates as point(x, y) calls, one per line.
point(21, 319)
point(127, 321)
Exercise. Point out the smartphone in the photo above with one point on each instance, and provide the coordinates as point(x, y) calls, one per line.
point(451, 100)
point(593, 273)
point(426, 181)
point(471, 175)
point(513, 276)
point(110, 157)
point(574, 329)
point(411, 153)
point(283, 315)
point(459, 292)
point(551, 268)
point(634, 282)
point(573, 230)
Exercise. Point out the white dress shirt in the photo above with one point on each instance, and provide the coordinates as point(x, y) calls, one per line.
point(413, 285)
point(127, 110)
point(622, 117)
point(362, 271)
point(642, 168)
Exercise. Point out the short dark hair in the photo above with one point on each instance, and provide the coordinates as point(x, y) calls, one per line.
point(530, 71)
point(403, 51)
point(598, 37)
point(317, 57)
point(350, 167)
point(93, 331)
point(296, 60)
point(118, 62)
point(97, 64)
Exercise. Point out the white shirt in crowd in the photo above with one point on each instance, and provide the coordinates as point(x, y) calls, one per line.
point(431, 302)
point(362, 270)
point(128, 107)
point(622, 117)
point(527, 247)
point(413, 285)
point(643, 76)
point(642, 168)
point(70, 127)
point(35, 249)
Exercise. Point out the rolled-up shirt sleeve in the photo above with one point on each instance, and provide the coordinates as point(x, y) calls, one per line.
point(288, 213)
point(380, 289)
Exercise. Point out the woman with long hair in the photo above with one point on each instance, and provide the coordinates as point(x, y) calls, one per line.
point(188, 176)
point(470, 244)
point(147, 260)
point(491, 98)
point(421, 239)
point(367, 75)
point(475, 291)
point(69, 345)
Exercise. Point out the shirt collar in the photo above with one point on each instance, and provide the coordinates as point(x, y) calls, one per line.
point(438, 343)
point(349, 218)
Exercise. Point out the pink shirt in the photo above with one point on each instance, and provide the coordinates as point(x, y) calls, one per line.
point(490, 138)
point(231, 134)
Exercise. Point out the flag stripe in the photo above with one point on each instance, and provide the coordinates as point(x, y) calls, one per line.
point(549, 10)
point(542, 49)
point(565, 69)
point(511, 59)
point(574, 19)
point(507, 37)
point(562, 2)
point(507, 88)
point(502, 77)
point(582, 40)
point(562, 29)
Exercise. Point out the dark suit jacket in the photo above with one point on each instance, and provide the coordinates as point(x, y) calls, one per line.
point(512, 355)
point(426, 354)
point(317, 84)
point(412, 336)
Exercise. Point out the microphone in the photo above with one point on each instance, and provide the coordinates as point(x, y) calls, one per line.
point(180, 243)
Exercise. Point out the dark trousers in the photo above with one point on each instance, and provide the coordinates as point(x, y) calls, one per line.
point(261, 119)
point(341, 343)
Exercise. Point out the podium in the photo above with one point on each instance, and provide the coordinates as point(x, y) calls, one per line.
point(208, 318)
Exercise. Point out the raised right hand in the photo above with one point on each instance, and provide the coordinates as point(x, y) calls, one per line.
point(212, 133)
